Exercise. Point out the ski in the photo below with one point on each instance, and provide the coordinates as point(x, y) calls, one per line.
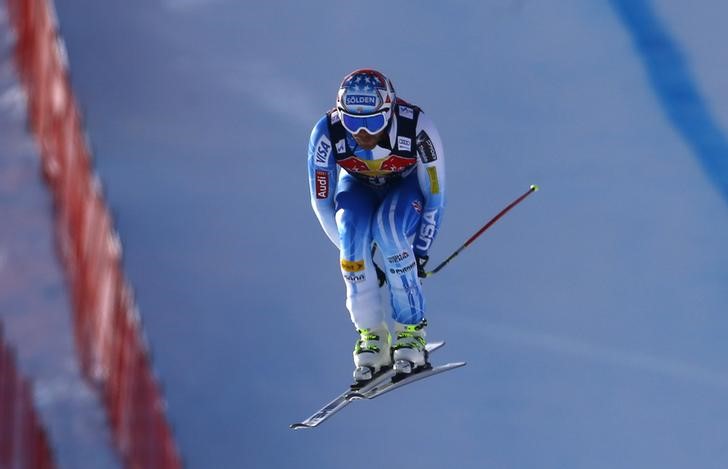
point(402, 380)
point(345, 398)
point(341, 401)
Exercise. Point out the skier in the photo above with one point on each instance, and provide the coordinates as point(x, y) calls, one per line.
point(376, 177)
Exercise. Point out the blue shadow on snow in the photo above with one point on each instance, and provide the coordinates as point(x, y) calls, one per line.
point(676, 90)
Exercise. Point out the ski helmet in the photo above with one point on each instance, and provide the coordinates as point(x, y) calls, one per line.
point(365, 101)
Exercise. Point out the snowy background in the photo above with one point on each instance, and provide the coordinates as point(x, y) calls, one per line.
point(592, 317)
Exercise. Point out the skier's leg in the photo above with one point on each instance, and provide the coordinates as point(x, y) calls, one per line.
point(355, 207)
point(395, 221)
point(394, 224)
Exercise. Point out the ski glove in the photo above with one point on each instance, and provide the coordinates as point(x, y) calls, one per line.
point(421, 261)
point(381, 276)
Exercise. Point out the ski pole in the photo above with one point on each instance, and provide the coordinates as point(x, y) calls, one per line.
point(467, 243)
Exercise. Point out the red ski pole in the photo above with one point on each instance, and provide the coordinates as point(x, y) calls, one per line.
point(467, 243)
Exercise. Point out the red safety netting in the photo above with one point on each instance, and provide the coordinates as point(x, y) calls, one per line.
point(111, 346)
point(23, 440)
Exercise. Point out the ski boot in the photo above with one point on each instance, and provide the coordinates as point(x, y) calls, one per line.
point(409, 348)
point(372, 352)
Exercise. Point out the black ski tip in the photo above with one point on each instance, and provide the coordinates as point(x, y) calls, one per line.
point(298, 426)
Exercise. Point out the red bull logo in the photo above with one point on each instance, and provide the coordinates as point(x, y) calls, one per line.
point(390, 166)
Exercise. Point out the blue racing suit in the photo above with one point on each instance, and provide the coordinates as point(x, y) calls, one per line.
point(392, 195)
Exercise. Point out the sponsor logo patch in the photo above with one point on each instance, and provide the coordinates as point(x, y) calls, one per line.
point(360, 100)
point(355, 278)
point(341, 146)
point(427, 230)
point(425, 148)
point(398, 257)
point(323, 147)
point(334, 117)
point(407, 112)
point(392, 164)
point(404, 143)
point(434, 183)
point(403, 270)
point(352, 266)
point(322, 184)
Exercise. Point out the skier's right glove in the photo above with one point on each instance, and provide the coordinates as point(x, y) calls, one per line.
point(421, 260)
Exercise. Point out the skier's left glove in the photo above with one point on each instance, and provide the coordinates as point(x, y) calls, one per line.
point(421, 260)
point(381, 276)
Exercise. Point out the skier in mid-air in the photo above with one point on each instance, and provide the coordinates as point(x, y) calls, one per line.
point(390, 193)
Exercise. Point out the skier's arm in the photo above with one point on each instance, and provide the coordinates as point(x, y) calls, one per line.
point(322, 179)
point(431, 176)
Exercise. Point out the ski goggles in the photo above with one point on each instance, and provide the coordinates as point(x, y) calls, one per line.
point(372, 124)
